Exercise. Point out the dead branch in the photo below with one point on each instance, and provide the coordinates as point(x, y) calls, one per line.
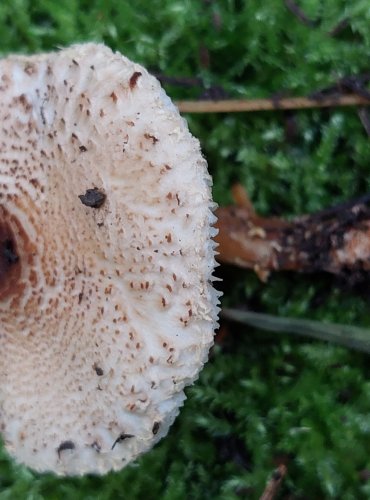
point(335, 240)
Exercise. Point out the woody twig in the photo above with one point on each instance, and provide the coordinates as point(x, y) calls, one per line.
point(273, 485)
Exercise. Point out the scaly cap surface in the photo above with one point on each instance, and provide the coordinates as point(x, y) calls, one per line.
point(107, 309)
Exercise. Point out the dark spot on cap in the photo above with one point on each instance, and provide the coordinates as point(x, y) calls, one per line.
point(10, 261)
point(8, 252)
point(99, 371)
point(30, 69)
point(93, 198)
point(134, 78)
point(83, 149)
point(155, 428)
point(151, 138)
point(65, 445)
point(96, 446)
point(121, 438)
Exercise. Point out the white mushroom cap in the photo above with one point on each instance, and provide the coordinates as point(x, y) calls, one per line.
point(106, 312)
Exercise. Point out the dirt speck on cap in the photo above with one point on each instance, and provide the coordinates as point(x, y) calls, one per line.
point(93, 198)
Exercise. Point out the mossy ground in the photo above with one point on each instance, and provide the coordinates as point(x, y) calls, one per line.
point(261, 399)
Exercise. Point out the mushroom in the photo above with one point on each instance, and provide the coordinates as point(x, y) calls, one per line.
point(107, 309)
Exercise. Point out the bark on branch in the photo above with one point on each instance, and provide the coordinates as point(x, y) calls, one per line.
point(336, 240)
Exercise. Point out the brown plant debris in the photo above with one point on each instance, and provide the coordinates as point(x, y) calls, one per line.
point(335, 240)
point(273, 485)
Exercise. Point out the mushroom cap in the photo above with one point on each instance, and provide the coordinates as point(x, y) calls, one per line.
point(107, 309)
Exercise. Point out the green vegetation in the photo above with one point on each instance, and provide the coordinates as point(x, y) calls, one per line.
point(262, 398)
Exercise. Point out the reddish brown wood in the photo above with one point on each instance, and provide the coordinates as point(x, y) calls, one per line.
point(335, 240)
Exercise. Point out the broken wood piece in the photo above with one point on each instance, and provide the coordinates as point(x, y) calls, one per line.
point(335, 240)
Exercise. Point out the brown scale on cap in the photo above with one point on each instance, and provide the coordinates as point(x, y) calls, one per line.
point(134, 78)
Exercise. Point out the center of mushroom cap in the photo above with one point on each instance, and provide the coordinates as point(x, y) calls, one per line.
point(10, 261)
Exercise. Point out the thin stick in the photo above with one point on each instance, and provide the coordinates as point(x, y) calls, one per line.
point(249, 105)
point(352, 337)
point(273, 485)
point(300, 14)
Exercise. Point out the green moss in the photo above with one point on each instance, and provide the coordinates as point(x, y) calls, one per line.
point(259, 399)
